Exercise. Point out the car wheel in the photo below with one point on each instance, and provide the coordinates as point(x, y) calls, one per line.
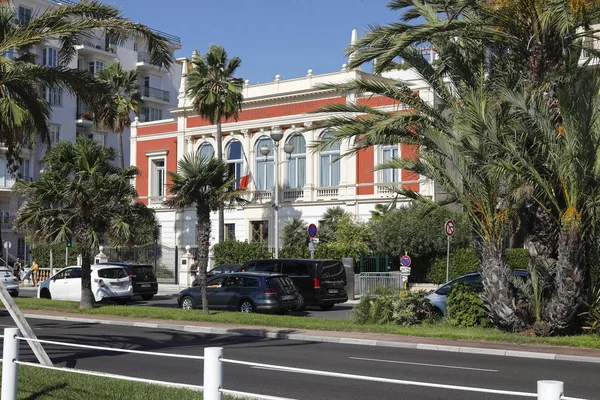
point(147, 296)
point(246, 306)
point(301, 304)
point(187, 303)
point(326, 306)
point(14, 294)
point(437, 313)
point(45, 294)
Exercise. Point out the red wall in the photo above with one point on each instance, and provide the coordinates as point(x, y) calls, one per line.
point(162, 128)
point(169, 144)
point(365, 161)
point(377, 101)
point(410, 151)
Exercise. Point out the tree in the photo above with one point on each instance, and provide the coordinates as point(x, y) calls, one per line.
point(352, 238)
point(330, 222)
point(202, 183)
point(81, 197)
point(24, 113)
point(295, 238)
point(125, 99)
point(217, 95)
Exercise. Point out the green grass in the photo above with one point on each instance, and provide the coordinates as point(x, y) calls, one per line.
point(42, 384)
point(438, 330)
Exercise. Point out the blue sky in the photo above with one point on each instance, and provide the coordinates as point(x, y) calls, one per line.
point(285, 37)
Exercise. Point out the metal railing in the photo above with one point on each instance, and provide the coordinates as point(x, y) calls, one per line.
point(155, 93)
point(369, 281)
point(168, 36)
point(213, 373)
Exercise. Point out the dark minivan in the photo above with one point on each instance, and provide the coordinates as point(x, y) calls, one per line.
point(320, 282)
point(142, 276)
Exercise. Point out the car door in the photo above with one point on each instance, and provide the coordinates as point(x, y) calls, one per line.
point(74, 284)
point(59, 285)
point(299, 273)
point(228, 296)
point(213, 290)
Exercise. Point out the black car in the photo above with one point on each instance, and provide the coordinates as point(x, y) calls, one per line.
point(142, 277)
point(320, 282)
point(223, 269)
point(244, 292)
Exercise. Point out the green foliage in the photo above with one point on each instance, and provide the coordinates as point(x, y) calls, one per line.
point(329, 223)
point(385, 307)
point(295, 239)
point(591, 316)
point(237, 252)
point(41, 253)
point(465, 306)
point(517, 258)
point(352, 237)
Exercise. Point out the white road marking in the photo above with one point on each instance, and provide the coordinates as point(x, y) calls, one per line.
point(423, 364)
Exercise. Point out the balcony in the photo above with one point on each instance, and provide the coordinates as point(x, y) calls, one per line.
point(155, 95)
point(171, 38)
point(97, 49)
point(7, 181)
point(144, 63)
point(84, 116)
point(291, 195)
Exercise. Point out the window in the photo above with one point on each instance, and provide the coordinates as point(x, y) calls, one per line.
point(264, 165)
point(214, 283)
point(295, 268)
point(389, 175)
point(329, 172)
point(230, 231)
point(296, 173)
point(260, 231)
point(5, 217)
point(54, 96)
point(50, 57)
point(10, 53)
point(158, 187)
point(135, 46)
point(24, 170)
point(6, 179)
point(95, 66)
point(151, 114)
point(235, 161)
point(54, 133)
point(112, 273)
point(206, 150)
point(24, 15)
point(22, 248)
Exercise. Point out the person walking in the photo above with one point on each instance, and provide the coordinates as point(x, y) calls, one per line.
point(194, 272)
point(17, 268)
point(34, 272)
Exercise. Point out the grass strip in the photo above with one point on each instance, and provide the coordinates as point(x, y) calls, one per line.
point(442, 329)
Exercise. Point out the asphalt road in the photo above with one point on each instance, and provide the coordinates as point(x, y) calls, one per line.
point(339, 311)
point(492, 372)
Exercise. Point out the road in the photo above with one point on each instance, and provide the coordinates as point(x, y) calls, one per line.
point(505, 373)
point(339, 311)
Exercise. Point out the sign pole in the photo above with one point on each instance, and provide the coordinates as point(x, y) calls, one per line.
point(312, 242)
point(66, 256)
point(312, 252)
point(449, 229)
point(448, 258)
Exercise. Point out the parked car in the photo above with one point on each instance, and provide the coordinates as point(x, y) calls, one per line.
point(320, 282)
point(223, 269)
point(245, 292)
point(10, 282)
point(438, 297)
point(142, 276)
point(108, 282)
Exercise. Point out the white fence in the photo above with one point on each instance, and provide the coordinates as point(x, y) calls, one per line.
point(369, 281)
point(213, 373)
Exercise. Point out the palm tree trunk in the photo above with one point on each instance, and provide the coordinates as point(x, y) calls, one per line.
point(121, 155)
point(569, 283)
point(87, 297)
point(541, 233)
point(203, 228)
point(498, 291)
point(221, 207)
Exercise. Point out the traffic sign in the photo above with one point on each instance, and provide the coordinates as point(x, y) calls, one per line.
point(450, 228)
point(404, 270)
point(405, 261)
point(312, 230)
point(7, 245)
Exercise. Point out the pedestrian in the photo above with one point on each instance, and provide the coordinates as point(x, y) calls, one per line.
point(17, 267)
point(194, 271)
point(34, 272)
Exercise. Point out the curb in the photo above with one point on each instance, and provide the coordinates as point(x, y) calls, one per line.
point(327, 339)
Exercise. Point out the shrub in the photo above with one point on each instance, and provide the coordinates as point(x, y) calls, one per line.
point(591, 316)
point(41, 253)
point(384, 307)
point(236, 252)
point(465, 306)
point(517, 258)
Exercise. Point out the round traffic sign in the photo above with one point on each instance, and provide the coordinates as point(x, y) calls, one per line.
point(312, 230)
point(450, 228)
point(405, 261)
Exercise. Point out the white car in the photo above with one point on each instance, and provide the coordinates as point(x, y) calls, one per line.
point(108, 282)
point(10, 282)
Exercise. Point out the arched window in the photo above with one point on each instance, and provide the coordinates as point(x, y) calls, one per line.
point(264, 165)
point(389, 152)
point(329, 168)
point(235, 160)
point(206, 150)
point(296, 173)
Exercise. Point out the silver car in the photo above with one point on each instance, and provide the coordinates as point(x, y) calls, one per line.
point(10, 282)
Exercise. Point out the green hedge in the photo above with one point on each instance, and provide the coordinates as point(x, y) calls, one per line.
point(41, 253)
point(463, 261)
point(236, 252)
point(465, 307)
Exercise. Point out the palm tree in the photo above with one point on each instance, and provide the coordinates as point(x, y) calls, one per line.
point(295, 238)
point(126, 99)
point(217, 95)
point(329, 223)
point(24, 113)
point(202, 183)
point(81, 197)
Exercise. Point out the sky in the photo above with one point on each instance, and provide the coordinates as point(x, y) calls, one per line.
point(272, 37)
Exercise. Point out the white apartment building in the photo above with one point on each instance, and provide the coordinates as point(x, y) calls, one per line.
point(71, 118)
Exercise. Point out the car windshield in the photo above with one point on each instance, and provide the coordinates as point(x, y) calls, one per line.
point(143, 270)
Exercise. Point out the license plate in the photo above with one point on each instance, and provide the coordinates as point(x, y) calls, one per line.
point(145, 285)
point(287, 297)
point(332, 291)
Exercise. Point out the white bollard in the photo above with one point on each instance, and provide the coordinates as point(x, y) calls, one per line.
point(548, 390)
point(10, 370)
point(213, 373)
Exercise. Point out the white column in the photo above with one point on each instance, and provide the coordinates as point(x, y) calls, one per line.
point(10, 370)
point(311, 165)
point(550, 390)
point(213, 373)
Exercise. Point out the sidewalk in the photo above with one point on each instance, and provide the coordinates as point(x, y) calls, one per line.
point(353, 338)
